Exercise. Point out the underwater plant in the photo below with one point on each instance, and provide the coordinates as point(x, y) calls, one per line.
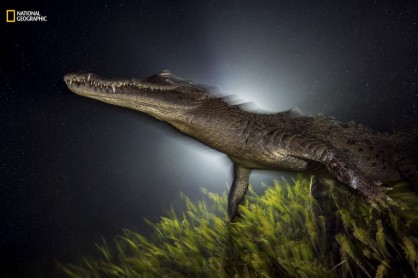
point(285, 232)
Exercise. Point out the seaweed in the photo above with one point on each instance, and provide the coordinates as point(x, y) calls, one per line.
point(285, 232)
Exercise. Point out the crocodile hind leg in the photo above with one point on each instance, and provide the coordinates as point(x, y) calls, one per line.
point(341, 166)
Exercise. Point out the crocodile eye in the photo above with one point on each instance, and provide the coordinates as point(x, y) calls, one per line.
point(165, 73)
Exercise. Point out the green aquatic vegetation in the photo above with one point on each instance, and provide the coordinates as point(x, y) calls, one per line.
point(285, 232)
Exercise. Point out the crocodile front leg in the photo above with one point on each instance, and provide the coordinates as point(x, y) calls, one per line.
point(238, 189)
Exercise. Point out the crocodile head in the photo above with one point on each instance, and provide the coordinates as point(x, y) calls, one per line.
point(163, 95)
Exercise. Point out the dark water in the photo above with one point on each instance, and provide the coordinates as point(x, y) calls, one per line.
point(73, 169)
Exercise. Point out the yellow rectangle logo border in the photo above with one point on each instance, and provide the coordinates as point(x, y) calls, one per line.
point(13, 12)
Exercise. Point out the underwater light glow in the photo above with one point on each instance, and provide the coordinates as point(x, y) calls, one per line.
point(264, 93)
point(210, 168)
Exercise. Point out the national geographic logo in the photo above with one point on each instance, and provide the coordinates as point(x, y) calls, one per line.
point(22, 16)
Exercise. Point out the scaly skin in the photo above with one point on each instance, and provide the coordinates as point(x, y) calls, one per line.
point(287, 141)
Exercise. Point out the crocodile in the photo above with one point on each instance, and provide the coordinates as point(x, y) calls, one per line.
point(285, 141)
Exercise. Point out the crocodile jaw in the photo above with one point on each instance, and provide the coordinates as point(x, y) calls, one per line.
point(164, 101)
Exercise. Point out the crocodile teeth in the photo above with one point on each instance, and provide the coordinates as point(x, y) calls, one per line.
point(88, 77)
point(113, 89)
point(71, 81)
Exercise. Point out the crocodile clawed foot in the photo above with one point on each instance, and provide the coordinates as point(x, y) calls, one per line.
point(381, 201)
point(374, 193)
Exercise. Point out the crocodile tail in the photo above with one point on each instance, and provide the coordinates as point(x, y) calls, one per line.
point(407, 161)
